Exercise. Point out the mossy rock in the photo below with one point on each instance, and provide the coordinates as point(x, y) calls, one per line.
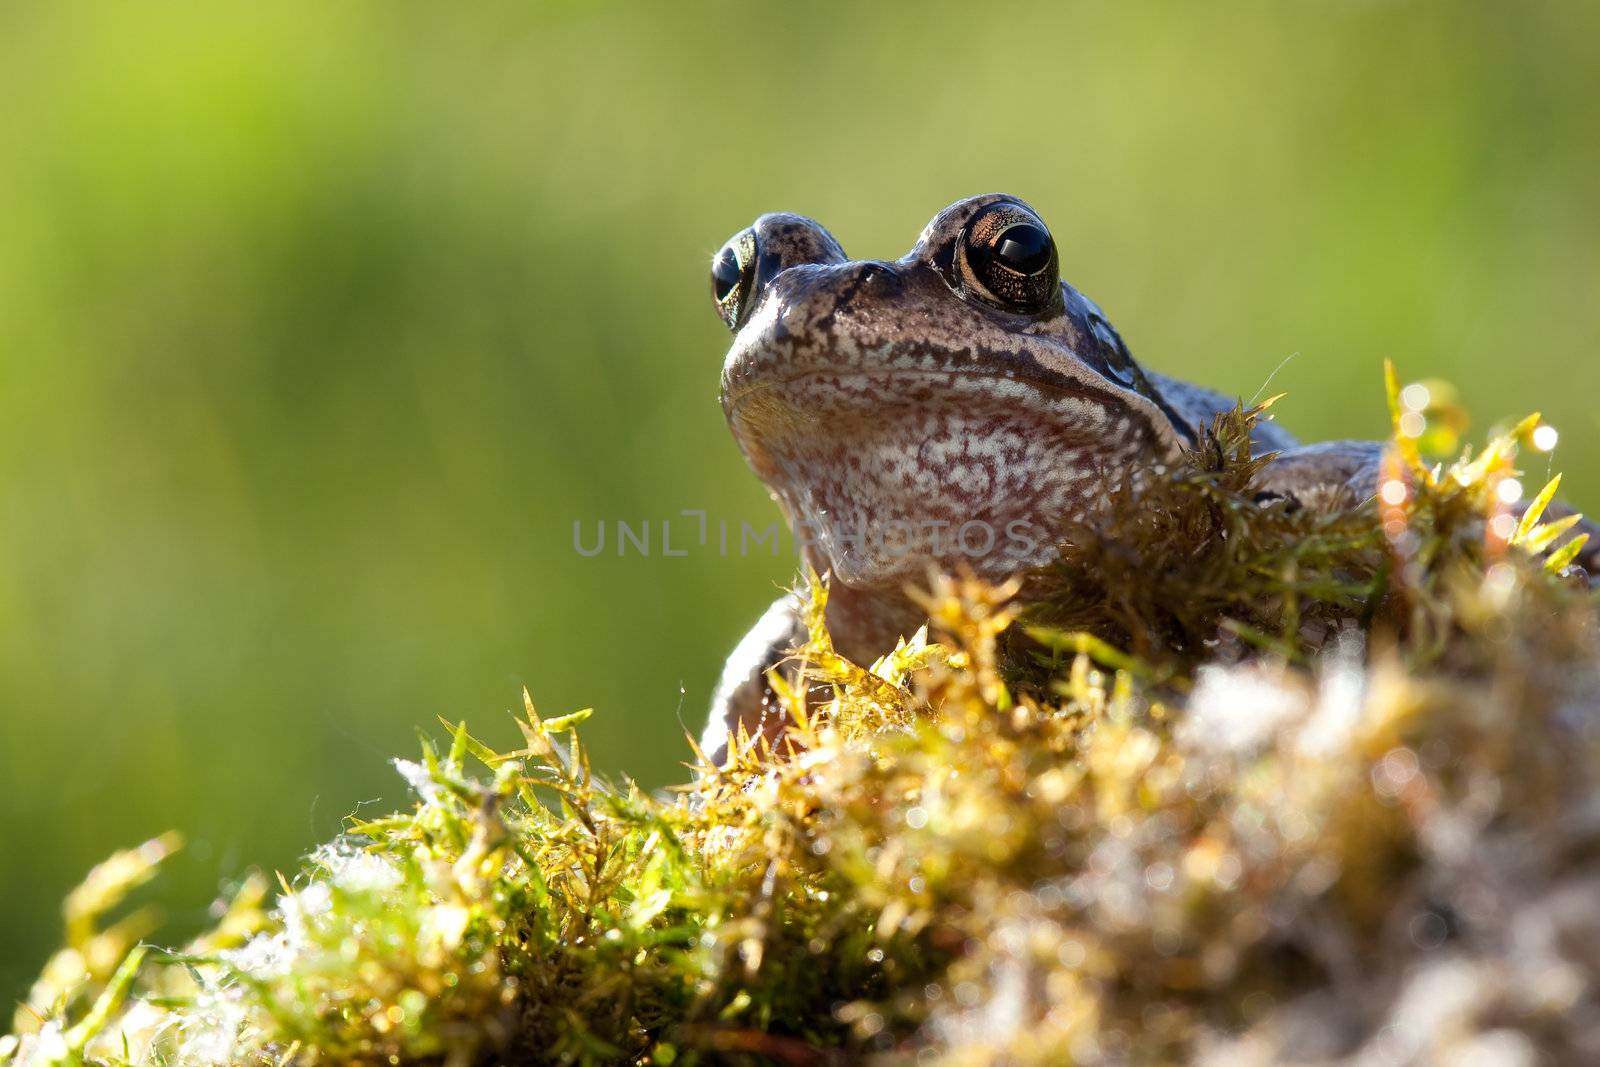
point(1243, 783)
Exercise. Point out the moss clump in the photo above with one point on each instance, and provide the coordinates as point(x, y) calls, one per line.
point(1250, 784)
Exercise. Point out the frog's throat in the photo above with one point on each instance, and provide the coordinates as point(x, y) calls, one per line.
point(880, 484)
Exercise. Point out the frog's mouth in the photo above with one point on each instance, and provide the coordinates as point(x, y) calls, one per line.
point(1129, 421)
point(842, 386)
point(1115, 427)
point(832, 391)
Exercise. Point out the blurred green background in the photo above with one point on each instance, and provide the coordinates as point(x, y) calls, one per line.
point(320, 324)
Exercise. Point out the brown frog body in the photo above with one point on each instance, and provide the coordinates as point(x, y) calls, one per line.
point(945, 409)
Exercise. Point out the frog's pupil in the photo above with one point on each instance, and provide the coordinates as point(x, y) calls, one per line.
point(725, 273)
point(1023, 247)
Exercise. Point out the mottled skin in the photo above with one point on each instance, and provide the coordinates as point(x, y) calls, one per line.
point(942, 388)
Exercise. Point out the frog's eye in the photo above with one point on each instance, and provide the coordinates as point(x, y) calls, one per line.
point(1007, 257)
point(732, 278)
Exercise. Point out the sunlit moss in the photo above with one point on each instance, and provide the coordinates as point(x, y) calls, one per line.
point(1250, 783)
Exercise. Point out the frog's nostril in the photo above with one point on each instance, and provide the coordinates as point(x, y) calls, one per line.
point(877, 281)
point(876, 275)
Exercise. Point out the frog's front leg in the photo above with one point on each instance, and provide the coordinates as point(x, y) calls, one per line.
point(743, 697)
point(1329, 476)
point(1342, 474)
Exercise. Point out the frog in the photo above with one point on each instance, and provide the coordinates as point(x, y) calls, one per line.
point(942, 412)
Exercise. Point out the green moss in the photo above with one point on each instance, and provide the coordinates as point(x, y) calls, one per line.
point(1248, 782)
